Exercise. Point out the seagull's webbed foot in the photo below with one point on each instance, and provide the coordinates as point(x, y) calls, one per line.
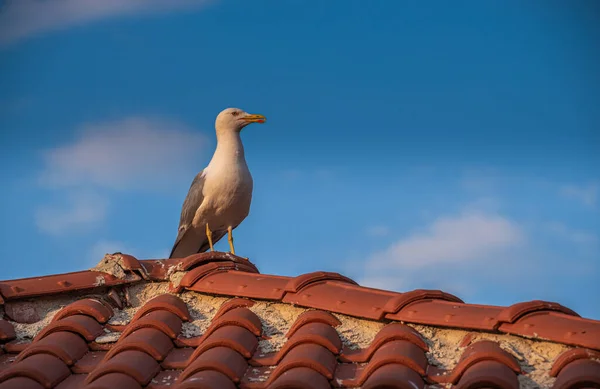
point(230, 239)
point(209, 236)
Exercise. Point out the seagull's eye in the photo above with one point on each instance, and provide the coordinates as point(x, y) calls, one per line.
point(235, 113)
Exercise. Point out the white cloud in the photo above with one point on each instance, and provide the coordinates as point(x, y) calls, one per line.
point(444, 254)
point(131, 153)
point(573, 235)
point(586, 194)
point(470, 236)
point(85, 210)
point(23, 18)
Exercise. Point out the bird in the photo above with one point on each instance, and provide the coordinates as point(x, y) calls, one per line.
point(220, 195)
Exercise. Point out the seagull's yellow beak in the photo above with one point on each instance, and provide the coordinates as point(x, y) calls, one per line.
point(254, 119)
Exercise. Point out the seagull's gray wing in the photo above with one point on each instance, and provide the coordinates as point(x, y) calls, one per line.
point(191, 204)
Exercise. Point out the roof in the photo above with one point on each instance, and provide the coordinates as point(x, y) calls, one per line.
point(212, 320)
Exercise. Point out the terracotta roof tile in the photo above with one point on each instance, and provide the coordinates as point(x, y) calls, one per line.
point(7, 332)
point(225, 325)
point(577, 368)
point(67, 346)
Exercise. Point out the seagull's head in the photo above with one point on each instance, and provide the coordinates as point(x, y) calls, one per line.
point(234, 119)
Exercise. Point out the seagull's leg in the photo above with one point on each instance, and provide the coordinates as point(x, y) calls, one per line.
point(230, 239)
point(209, 236)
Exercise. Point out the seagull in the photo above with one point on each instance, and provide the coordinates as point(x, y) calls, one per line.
point(220, 195)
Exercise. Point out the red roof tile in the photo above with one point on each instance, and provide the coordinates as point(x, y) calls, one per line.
point(95, 342)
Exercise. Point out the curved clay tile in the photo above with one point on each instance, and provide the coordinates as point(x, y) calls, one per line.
point(16, 346)
point(231, 304)
point(177, 359)
point(195, 260)
point(45, 369)
point(516, 311)
point(242, 317)
point(136, 364)
point(166, 302)
point(476, 354)
point(448, 314)
point(394, 376)
point(88, 363)
point(570, 356)
point(558, 327)
point(94, 308)
point(206, 379)
point(67, 346)
point(488, 374)
point(114, 381)
point(162, 320)
point(85, 326)
point(221, 359)
point(311, 333)
point(7, 331)
point(296, 284)
point(235, 337)
point(581, 373)
point(147, 340)
point(391, 332)
point(403, 299)
point(398, 353)
point(341, 296)
point(313, 316)
point(312, 356)
point(20, 383)
point(238, 283)
point(300, 378)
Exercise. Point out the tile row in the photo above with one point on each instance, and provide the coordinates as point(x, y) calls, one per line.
point(150, 352)
point(227, 275)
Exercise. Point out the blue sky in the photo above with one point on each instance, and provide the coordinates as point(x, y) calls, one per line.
point(443, 146)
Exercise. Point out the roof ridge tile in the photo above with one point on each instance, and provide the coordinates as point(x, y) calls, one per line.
point(557, 327)
point(198, 273)
point(240, 284)
point(516, 311)
point(61, 283)
point(403, 299)
point(296, 284)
